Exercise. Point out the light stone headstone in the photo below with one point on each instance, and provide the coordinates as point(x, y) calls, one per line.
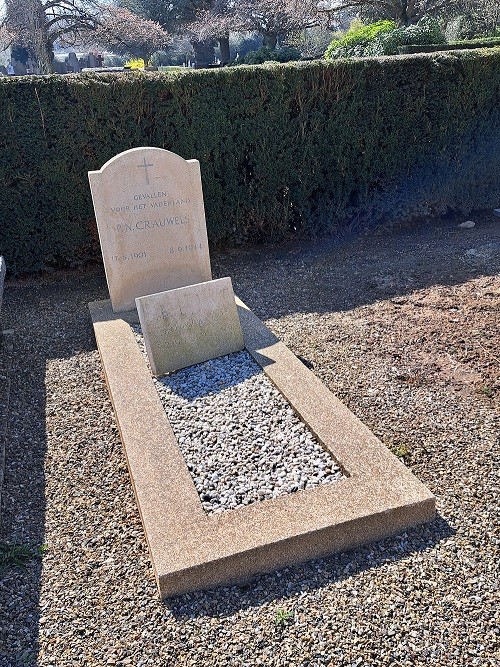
point(149, 209)
point(59, 67)
point(189, 325)
point(73, 62)
point(3, 269)
point(19, 67)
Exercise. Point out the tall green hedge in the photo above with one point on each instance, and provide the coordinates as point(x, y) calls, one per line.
point(284, 149)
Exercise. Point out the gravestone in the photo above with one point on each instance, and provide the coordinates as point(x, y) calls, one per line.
point(150, 216)
point(19, 68)
point(59, 67)
point(190, 325)
point(73, 62)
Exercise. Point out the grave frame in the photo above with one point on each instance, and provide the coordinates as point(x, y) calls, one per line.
point(192, 550)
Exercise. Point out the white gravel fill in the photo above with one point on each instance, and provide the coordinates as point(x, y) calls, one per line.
point(240, 438)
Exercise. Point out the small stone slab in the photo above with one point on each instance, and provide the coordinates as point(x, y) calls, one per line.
point(189, 325)
point(150, 216)
point(496, 212)
point(193, 550)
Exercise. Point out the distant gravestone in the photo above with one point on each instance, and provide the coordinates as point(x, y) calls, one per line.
point(19, 67)
point(150, 216)
point(32, 67)
point(189, 325)
point(73, 62)
point(59, 67)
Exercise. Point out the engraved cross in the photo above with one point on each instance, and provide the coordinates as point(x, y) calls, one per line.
point(145, 167)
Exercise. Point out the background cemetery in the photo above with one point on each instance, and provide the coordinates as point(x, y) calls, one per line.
point(41, 36)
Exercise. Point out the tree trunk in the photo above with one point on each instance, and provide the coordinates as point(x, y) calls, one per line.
point(204, 54)
point(225, 54)
point(28, 22)
point(270, 39)
point(39, 43)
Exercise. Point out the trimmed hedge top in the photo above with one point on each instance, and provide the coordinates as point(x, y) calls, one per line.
point(487, 42)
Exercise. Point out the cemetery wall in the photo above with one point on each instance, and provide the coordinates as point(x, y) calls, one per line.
point(304, 148)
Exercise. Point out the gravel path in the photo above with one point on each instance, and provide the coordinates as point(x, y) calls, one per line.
point(240, 438)
point(403, 326)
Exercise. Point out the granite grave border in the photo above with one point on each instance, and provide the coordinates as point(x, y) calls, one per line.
point(192, 550)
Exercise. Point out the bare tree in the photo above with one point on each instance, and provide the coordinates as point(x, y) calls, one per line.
point(403, 12)
point(482, 16)
point(214, 25)
point(277, 18)
point(6, 37)
point(38, 24)
point(124, 32)
point(181, 17)
point(271, 18)
point(25, 22)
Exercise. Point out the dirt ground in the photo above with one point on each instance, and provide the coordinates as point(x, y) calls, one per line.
point(436, 287)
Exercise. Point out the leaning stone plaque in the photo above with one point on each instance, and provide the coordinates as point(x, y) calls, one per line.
point(150, 216)
point(189, 325)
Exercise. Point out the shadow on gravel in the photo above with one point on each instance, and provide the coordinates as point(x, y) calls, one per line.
point(341, 274)
point(49, 321)
point(23, 505)
point(312, 575)
point(212, 377)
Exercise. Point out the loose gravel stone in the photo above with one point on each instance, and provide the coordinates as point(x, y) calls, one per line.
point(241, 440)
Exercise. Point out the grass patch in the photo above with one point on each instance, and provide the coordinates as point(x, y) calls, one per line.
point(282, 617)
point(486, 391)
point(400, 450)
point(17, 555)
